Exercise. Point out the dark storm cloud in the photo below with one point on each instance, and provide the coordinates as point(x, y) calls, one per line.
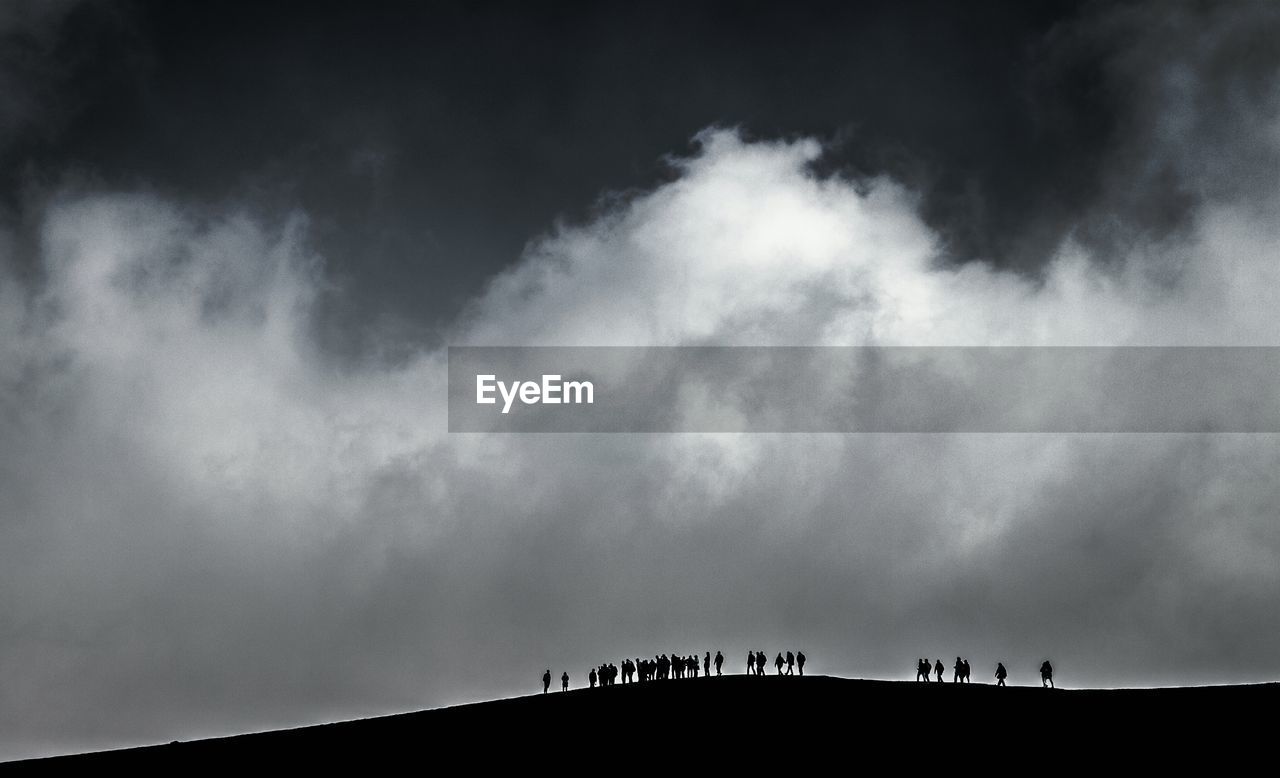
point(208, 525)
point(489, 122)
point(1190, 88)
point(28, 74)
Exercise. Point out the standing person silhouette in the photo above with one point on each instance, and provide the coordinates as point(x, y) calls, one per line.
point(591, 678)
point(791, 663)
point(938, 670)
point(564, 681)
point(546, 680)
point(1001, 673)
point(1046, 674)
point(719, 661)
point(800, 661)
point(706, 665)
point(751, 663)
point(959, 671)
point(966, 671)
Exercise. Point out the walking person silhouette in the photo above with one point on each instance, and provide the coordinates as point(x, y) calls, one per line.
point(791, 663)
point(1001, 673)
point(751, 663)
point(800, 661)
point(546, 680)
point(938, 669)
point(719, 661)
point(1046, 674)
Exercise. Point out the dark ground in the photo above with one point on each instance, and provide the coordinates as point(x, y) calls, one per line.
point(751, 724)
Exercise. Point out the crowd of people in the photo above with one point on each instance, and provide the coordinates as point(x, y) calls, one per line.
point(757, 663)
point(660, 668)
point(961, 671)
point(663, 667)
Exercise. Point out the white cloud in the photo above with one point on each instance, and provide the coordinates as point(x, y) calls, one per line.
point(207, 525)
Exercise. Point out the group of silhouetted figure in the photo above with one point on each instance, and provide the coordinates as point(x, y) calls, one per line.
point(663, 667)
point(961, 672)
point(923, 669)
point(757, 662)
point(660, 668)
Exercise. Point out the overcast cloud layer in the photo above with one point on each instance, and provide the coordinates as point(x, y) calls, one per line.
point(211, 524)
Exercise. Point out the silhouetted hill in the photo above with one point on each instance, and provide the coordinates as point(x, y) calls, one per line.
point(749, 724)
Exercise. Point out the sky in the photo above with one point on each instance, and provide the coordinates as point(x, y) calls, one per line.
point(236, 238)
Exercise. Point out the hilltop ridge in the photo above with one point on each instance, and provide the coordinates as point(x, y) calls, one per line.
point(741, 722)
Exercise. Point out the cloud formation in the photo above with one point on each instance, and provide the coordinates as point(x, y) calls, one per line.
point(208, 524)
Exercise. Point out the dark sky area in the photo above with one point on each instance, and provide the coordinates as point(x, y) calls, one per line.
point(429, 141)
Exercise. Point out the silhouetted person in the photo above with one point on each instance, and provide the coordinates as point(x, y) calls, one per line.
point(1001, 673)
point(938, 669)
point(591, 678)
point(564, 682)
point(1046, 674)
point(966, 671)
point(959, 671)
point(922, 670)
point(761, 661)
point(800, 661)
point(719, 661)
point(546, 680)
point(778, 663)
point(791, 663)
point(706, 665)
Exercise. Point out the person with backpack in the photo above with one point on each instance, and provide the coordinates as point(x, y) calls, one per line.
point(1046, 674)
